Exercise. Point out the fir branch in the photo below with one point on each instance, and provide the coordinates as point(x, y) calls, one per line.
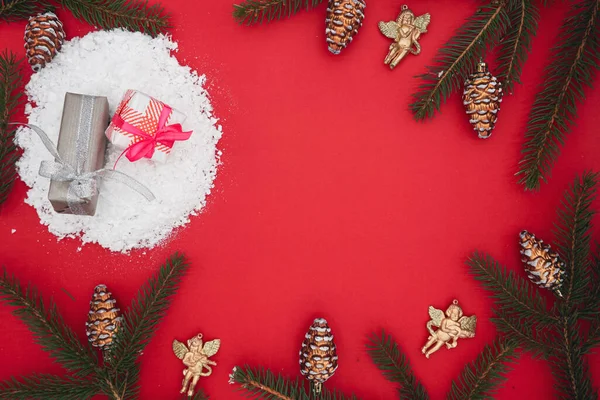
point(573, 236)
point(570, 368)
point(47, 387)
point(133, 15)
point(512, 293)
point(593, 338)
point(261, 383)
point(385, 353)
point(571, 68)
point(540, 342)
point(523, 16)
point(16, 10)
point(47, 326)
point(10, 98)
point(259, 11)
point(481, 377)
point(458, 57)
point(141, 320)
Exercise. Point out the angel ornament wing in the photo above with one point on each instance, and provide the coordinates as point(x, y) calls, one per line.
point(451, 326)
point(405, 31)
point(195, 357)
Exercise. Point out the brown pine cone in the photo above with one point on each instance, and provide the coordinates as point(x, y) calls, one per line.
point(482, 98)
point(344, 17)
point(543, 266)
point(44, 36)
point(318, 356)
point(104, 319)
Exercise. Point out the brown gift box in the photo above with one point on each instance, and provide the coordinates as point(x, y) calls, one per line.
point(81, 143)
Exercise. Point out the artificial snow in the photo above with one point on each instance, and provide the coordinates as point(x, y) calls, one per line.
point(107, 63)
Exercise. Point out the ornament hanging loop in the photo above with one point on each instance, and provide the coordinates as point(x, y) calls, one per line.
point(404, 7)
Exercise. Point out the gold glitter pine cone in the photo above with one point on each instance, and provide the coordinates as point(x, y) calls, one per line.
point(482, 97)
point(318, 355)
point(544, 267)
point(44, 36)
point(344, 17)
point(104, 319)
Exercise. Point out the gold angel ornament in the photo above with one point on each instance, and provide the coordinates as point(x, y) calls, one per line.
point(451, 327)
point(195, 357)
point(405, 31)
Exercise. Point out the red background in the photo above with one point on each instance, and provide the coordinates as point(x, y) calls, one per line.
point(331, 201)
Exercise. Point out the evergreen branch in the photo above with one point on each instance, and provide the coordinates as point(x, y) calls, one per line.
point(591, 305)
point(513, 294)
point(593, 338)
point(16, 10)
point(385, 353)
point(570, 368)
point(554, 110)
point(457, 58)
point(47, 387)
point(523, 16)
point(10, 98)
point(573, 236)
point(133, 15)
point(259, 11)
point(47, 326)
point(480, 378)
point(524, 331)
point(141, 320)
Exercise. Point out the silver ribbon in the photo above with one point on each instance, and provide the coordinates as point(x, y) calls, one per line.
point(83, 185)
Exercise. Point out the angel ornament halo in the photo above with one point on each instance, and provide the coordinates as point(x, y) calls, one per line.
point(450, 327)
point(405, 31)
point(195, 358)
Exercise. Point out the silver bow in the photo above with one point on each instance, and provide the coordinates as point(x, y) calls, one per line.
point(83, 185)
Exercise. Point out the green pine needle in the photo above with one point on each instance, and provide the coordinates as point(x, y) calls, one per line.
point(259, 11)
point(573, 237)
point(571, 68)
point(540, 342)
point(142, 318)
point(261, 383)
point(481, 378)
point(133, 15)
point(523, 16)
point(47, 387)
point(10, 99)
point(385, 353)
point(458, 57)
point(47, 326)
point(17, 10)
point(510, 291)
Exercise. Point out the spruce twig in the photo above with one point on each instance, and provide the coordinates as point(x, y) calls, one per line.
point(48, 326)
point(10, 98)
point(48, 387)
point(572, 67)
point(259, 11)
point(385, 353)
point(525, 331)
point(133, 15)
point(458, 57)
point(16, 10)
point(523, 16)
point(481, 377)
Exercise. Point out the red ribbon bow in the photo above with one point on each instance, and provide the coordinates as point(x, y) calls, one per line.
point(165, 134)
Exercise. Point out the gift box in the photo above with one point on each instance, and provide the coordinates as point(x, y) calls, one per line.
point(81, 147)
point(145, 127)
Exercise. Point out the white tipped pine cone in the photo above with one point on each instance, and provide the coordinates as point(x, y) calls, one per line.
point(318, 355)
point(104, 319)
point(482, 98)
point(44, 36)
point(344, 17)
point(544, 267)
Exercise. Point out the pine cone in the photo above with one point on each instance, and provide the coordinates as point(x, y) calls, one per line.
point(543, 266)
point(482, 98)
point(44, 36)
point(318, 356)
point(344, 17)
point(104, 319)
